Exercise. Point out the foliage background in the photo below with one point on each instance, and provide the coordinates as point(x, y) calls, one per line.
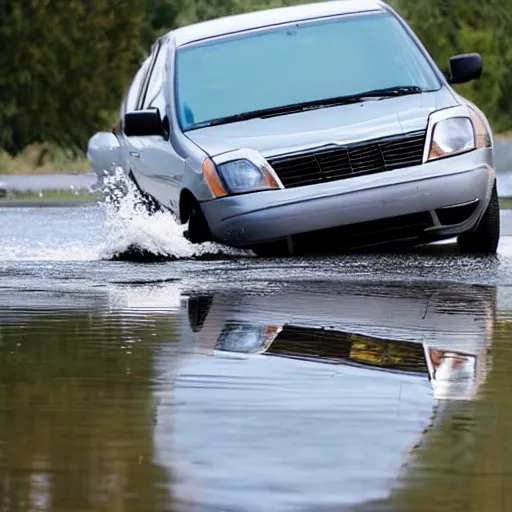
point(66, 63)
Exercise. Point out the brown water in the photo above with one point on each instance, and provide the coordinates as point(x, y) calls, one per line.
point(77, 411)
point(371, 397)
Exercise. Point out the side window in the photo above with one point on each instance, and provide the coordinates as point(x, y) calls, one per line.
point(130, 102)
point(135, 87)
point(156, 78)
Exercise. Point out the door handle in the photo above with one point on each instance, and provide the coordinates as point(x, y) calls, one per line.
point(135, 154)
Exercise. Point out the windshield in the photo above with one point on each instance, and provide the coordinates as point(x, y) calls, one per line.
point(300, 63)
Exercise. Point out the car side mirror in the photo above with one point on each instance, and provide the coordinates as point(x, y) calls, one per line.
point(142, 123)
point(466, 67)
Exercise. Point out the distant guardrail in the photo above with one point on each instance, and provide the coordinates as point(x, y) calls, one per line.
point(503, 163)
point(40, 182)
point(503, 155)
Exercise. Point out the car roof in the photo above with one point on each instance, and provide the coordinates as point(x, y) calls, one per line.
point(253, 20)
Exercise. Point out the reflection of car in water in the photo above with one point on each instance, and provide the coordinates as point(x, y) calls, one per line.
point(319, 397)
point(439, 330)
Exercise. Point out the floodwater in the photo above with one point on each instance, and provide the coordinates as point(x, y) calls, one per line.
point(217, 381)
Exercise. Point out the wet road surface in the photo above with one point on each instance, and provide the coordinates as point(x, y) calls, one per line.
point(233, 383)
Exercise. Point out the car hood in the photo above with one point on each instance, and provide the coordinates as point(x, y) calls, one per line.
point(333, 125)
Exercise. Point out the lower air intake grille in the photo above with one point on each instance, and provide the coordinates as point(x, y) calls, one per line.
point(371, 233)
point(349, 161)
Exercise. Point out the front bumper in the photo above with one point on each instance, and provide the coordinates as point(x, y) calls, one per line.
point(249, 219)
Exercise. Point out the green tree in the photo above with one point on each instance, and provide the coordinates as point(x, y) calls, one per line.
point(66, 63)
point(200, 10)
point(64, 66)
point(160, 17)
point(450, 27)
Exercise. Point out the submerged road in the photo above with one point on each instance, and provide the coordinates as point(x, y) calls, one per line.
point(220, 381)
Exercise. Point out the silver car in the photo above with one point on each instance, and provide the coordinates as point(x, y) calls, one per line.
point(323, 123)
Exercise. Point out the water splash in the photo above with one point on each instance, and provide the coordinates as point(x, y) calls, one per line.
point(137, 230)
point(119, 227)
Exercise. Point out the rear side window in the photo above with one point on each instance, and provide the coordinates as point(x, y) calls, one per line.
point(132, 97)
point(156, 79)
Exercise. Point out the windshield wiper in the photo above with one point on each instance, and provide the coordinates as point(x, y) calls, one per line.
point(388, 92)
point(277, 111)
point(312, 105)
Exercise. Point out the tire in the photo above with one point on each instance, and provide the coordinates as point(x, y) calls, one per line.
point(485, 238)
point(198, 230)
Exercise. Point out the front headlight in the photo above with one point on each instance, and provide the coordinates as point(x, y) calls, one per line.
point(238, 176)
point(459, 134)
point(244, 176)
point(452, 137)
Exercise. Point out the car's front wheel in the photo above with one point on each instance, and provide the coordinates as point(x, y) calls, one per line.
point(485, 238)
point(198, 230)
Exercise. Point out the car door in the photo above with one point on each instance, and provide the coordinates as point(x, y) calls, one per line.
point(157, 168)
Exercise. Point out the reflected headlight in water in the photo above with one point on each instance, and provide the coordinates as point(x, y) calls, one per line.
point(247, 339)
point(453, 376)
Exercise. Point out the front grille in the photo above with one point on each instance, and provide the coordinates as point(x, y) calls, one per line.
point(365, 234)
point(349, 161)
